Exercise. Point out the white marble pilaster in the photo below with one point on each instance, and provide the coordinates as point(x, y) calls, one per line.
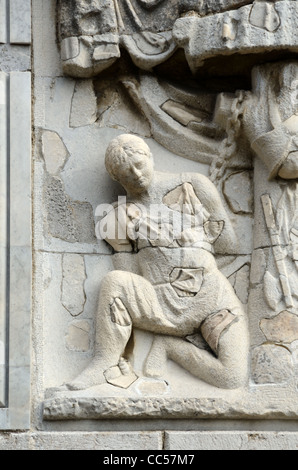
point(3, 22)
point(15, 249)
point(20, 21)
point(3, 230)
point(20, 246)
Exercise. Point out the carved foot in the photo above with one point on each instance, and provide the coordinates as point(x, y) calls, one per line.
point(91, 376)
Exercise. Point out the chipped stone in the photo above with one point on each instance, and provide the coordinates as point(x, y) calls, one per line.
point(115, 108)
point(73, 295)
point(258, 266)
point(149, 386)
point(283, 328)
point(68, 220)
point(78, 336)
point(84, 104)
point(240, 282)
point(181, 113)
point(120, 378)
point(54, 152)
point(238, 192)
point(264, 16)
point(271, 363)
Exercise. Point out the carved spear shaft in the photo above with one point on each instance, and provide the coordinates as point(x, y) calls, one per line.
point(277, 250)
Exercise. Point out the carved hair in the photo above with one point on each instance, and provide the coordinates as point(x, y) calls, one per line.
point(122, 148)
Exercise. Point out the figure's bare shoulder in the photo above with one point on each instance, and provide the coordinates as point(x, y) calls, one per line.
point(202, 185)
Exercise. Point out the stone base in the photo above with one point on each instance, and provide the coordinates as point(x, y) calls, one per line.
point(142, 401)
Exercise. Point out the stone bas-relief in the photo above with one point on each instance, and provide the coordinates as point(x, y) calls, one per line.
point(92, 33)
point(178, 291)
point(166, 317)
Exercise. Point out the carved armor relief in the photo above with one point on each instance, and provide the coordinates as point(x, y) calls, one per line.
point(169, 201)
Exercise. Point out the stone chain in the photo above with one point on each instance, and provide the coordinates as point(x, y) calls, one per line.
point(229, 144)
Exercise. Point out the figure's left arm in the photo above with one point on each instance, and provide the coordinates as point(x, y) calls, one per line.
point(210, 198)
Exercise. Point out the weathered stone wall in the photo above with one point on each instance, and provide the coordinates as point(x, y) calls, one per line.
point(50, 200)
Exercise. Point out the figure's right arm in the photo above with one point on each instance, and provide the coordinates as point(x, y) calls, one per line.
point(113, 229)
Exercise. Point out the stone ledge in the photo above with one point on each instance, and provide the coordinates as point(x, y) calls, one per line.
point(275, 404)
point(230, 32)
point(173, 440)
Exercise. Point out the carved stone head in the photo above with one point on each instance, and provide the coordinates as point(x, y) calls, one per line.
point(129, 161)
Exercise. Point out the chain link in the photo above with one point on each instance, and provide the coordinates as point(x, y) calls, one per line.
point(229, 144)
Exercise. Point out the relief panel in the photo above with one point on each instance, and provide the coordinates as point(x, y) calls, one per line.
point(167, 201)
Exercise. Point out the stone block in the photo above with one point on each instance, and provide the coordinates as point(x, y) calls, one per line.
point(44, 31)
point(54, 152)
point(78, 336)
point(20, 161)
point(271, 363)
point(96, 441)
point(15, 441)
point(20, 21)
point(73, 296)
point(228, 440)
point(15, 57)
point(2, 382)
point(3, 232)
point(84, 105)
point(16, 312)
point(20, 305)
point(3, 24)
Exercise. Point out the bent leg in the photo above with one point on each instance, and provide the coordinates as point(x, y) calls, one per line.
point(227, 369)
point(125, 300)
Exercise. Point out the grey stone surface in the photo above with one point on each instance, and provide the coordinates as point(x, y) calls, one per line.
point(226, 33)
point(239, 193)
point(44, 32)
point(81, 441)
point(231, 440)
point(16, 250)
point(262, 403)
point(97, 441)
point(14, 57)
point(54, 152)
point(14, 441)
point(77, 119)
point(84, 105)
point(170, 440)
point(73, 295)
point(78, 336)
point(3, 229)
point(20, 251)
point(20, 167)
point(20, 21)
point(3, 24)
point(283, 328)
point(271, 363)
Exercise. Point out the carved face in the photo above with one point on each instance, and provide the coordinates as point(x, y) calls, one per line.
point(136, 171)
point(129, 161)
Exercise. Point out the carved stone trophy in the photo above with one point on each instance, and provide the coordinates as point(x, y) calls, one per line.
point(198, 316)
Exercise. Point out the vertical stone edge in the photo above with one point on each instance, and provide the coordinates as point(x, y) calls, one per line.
point(20, 269)
point(3, 233)
point(3, 21)
point(20, 21)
